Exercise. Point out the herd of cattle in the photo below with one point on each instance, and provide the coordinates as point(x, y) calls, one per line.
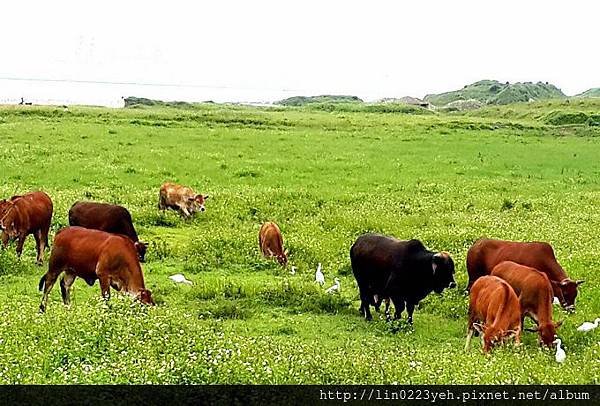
point(507, 280)
point(100, 243)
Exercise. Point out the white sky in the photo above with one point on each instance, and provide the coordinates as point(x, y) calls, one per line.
point(257, 49)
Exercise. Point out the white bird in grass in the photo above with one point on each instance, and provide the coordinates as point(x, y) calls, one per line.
point(293, 270)
point(587, 326)
point(319, 277)
point(334, 288)
point(179, 278)
point(560, 353)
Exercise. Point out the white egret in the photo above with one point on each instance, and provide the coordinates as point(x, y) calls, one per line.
point(319, 277)
point(179, 278)
point(560, 353)
point(587, 326)
point(334, 288)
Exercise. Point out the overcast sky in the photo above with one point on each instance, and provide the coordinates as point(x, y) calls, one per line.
point(255, 48)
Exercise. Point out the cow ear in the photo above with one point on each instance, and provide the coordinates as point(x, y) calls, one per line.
point(579, 282)
point(436, 260)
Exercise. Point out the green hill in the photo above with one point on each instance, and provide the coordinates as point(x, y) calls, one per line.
point(494, 92)
point(304, 100)
point(593, 92)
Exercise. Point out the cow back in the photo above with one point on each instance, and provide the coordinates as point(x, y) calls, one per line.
point(485, 254)
point(104, 217)
point(493, 301)
point(28, 213)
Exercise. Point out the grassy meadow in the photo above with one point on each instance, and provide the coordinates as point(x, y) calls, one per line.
point(325, 176)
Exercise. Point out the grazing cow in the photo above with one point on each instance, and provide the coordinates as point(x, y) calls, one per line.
point(495, 304)
point(181, 199)
point(403, 271)
point(24, 215)
point(485, 254)
point(106, 217)
point(535, 296)
point(90, 255)
point(271, 242)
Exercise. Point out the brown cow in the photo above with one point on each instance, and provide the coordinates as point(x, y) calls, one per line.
point(496, 304)
point(535, 296)
point(90, 255)
point(107, 217)
point(271, 242)
point(485, 254)
point(24, 215)
point(181, 199)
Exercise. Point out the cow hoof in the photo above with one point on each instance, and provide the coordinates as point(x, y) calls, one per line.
point(42, 309)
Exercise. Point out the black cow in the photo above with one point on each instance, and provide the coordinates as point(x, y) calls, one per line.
point(403, 271)
point(106, 217)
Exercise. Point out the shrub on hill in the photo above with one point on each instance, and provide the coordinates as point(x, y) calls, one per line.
point(494, 92)
point(304, 100)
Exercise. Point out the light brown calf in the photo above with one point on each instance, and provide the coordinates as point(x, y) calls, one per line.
point(494, 311)
point(271, 242)
point(181, 199)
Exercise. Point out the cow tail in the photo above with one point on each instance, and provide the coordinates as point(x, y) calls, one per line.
point(42, 283)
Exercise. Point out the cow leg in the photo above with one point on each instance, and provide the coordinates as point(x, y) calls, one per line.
point(4, 239)
point(184, 212)
point(410, 308)
point(470, 330)
point(105, 287)
point(377, 302)
point(469, 335)
point(47, 282)
point(103, 274)
point(66, 286)
point(39, 246)
point(399, 306)
point(20, 243)
point(365, 301)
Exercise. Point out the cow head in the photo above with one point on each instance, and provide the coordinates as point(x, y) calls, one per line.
point(7, 220)
point(443, 271)
point(567, 292)
point(547, 332)
point(196, 203)
point(493, 336)
point(282, 258)
point(141, 248)
point(145, 296)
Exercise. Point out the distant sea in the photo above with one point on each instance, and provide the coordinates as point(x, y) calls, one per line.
point(48, 92)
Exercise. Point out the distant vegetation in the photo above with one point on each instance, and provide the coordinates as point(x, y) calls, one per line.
point(594, 92)
point(142, 101)
point(304, 100)
point(494, 92)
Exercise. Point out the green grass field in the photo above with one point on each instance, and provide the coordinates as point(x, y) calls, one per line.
point(325, 177)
